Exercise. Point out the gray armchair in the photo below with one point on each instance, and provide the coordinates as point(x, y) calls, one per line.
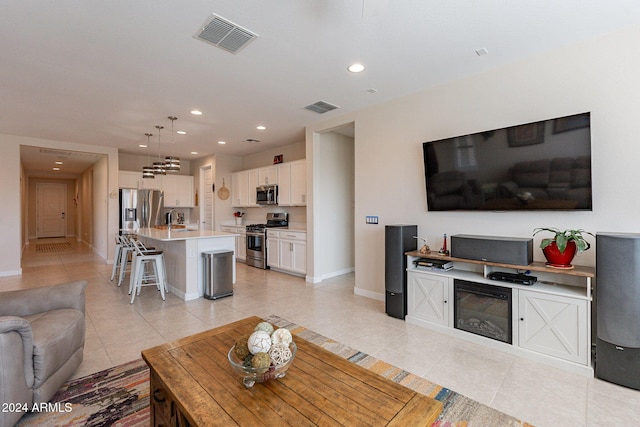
point(42, 334)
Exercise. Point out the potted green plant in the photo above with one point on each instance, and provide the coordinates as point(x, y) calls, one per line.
point(563, 246)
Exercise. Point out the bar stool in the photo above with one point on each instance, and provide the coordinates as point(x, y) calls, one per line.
point(139, 277)
point(125, 249)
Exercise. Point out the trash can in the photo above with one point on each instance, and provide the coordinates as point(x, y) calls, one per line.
point(218, 274)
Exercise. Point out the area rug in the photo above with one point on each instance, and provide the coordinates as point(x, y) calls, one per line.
point(46, 248)
point(119, 396)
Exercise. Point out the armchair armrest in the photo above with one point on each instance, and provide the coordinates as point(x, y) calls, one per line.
point(26, 302)
point(14, 354)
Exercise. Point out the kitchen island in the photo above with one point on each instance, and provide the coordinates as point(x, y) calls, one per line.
point(183, 258)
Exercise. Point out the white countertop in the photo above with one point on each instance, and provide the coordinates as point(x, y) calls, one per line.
point(179, 234)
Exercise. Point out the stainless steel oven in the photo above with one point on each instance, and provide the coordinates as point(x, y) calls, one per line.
point(256, 247)
point(257, 238)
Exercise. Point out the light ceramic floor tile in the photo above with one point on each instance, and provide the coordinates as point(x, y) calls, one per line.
point(118, 331)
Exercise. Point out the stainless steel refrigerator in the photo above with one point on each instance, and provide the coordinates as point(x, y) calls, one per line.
point(140, 208)
point(398, 240)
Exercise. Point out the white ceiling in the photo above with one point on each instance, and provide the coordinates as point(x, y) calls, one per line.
point(105, 72)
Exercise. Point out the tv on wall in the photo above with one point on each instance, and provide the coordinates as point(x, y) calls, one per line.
point(543, 165)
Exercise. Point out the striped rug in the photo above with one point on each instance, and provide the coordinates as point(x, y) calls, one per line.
point(119, 396)
point(46, 248)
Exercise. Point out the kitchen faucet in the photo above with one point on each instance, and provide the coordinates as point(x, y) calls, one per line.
point(170, 218)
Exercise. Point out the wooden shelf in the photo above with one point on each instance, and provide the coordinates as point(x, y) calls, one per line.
point(580, 271)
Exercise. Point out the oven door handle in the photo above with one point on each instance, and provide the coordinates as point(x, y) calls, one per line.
point(249, 233)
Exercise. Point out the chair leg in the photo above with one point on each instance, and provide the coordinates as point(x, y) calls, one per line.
point(116, 261)
point(124, 258)
point(137, 284)
point(161, 278)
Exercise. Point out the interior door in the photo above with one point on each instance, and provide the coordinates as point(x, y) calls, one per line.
point(51, 204)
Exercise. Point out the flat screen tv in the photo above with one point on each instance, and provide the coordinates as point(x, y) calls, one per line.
point(543, 165)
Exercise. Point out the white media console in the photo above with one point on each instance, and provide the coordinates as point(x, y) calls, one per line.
point(551, 319)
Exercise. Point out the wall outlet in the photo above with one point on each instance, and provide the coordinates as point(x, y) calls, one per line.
point(370, 219)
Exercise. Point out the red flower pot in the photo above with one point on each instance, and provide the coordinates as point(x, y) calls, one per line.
point(555, 258)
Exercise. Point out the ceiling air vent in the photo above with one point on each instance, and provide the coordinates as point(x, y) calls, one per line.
point(321, 107)
point(224, 34)
point(252, 140)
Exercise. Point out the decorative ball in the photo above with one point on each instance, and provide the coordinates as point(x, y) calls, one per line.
point(242, 349)
point(280, 354)
point(259, 341)
point(264, 326)
point(282, 336)
point(261, 361)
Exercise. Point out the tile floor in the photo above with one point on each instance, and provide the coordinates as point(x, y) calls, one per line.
point(117, 331)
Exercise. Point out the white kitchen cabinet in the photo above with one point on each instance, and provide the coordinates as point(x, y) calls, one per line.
point(253, 182)
point(268, 175)
point(241, 240)
point(129, 179)
point(292, 183)
point(273, 249)
point(553, 324)
point(151, 183)
point(287, 251)
point(132, 179)
point(429, 297)
point(178, 191)
point(291, 179)
point(240, 189)
point(241, 244)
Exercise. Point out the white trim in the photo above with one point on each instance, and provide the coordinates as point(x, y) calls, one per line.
point(369, 294)
point(11, 273)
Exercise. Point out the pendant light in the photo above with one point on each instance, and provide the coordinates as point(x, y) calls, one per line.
point(159, 166)
point(172, 162)
point(147, 171)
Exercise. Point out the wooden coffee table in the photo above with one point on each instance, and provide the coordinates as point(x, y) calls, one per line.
point(193, 384)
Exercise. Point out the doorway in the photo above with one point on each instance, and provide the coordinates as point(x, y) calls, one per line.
point(334, 202)
point(51, 208)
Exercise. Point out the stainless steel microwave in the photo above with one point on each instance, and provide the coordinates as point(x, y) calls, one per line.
point(267, 195)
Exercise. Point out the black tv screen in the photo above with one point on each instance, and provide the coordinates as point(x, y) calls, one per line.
point(543, 165)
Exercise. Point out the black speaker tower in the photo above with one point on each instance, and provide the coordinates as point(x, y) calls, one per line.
point(618, 308)
point(398, 239)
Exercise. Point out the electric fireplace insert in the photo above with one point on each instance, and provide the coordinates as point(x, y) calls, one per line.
point(483, 310)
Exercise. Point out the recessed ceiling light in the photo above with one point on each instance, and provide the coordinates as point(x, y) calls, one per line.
point(181, 132)
point(56, 169)
point(261, 127)
point(196, 112)
point(356, 68)
point(222, 142)
point(142, 145)
point(194, 152)
point(58, 162)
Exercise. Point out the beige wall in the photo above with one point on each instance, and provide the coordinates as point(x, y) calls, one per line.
point(265, 158)
point(599, 76)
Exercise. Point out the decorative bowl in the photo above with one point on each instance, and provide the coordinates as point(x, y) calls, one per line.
point(251, 375)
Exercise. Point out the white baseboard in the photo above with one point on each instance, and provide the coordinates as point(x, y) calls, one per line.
point(369, 294)
point(11, 273)
point(318, 279)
